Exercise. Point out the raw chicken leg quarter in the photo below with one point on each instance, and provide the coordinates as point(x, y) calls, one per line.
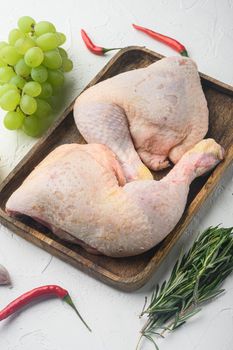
point(80, 193)
point(149, 115)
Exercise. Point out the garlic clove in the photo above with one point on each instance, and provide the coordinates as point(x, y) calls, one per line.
point(4, 276)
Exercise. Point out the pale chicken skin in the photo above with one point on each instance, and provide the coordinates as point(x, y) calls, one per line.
point(149, 115)
point(80, 192)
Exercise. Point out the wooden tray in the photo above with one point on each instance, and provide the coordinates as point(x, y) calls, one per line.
point(124, 273)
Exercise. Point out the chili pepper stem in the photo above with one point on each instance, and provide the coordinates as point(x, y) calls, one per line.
point(184, 53)
point(67, 299)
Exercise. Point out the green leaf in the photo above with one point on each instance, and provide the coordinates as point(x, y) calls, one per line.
point(189, 314)
point(211, 295)
point(152, 340)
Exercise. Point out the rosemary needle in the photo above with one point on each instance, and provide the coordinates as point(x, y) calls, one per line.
point(196, 278)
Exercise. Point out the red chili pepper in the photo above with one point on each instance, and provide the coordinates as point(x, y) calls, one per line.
point(97, 50)
point(26, 298)
point(174, 44)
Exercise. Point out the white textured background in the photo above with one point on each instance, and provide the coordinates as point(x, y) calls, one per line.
point(206, 28)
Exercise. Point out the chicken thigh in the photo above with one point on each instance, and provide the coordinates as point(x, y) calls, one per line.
point(147, 115)
point(80, 193)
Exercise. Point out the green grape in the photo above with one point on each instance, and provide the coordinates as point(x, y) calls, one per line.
point(14, 35)
point(6, 87)
point(45, 123)
point(32, 88)
point(44, 27)
point(13, 120)
point(3, 44)
point(28, 104)
point(46, 91)
point(48, 41)
point(18, 81)
point(10, 100)
point(52, 59)
point(39, 74)
point(2, 64)
point(22, 45)
point(22, 69)
point(9, 55)
point(43, 108)
point(31, 126)
point(67, 65)
point(20, 112)
point(26, 24)
point(34, 57)
point(6, 73)
point(62, 38)
point(62, 52)
point(55, 78)
point(33, 38)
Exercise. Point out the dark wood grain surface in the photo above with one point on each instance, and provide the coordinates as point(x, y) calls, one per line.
point(123, 273)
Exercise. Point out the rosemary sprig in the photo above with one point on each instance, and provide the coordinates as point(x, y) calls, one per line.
point(196, 278)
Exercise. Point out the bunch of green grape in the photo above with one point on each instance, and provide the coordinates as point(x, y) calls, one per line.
point(32, 67)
